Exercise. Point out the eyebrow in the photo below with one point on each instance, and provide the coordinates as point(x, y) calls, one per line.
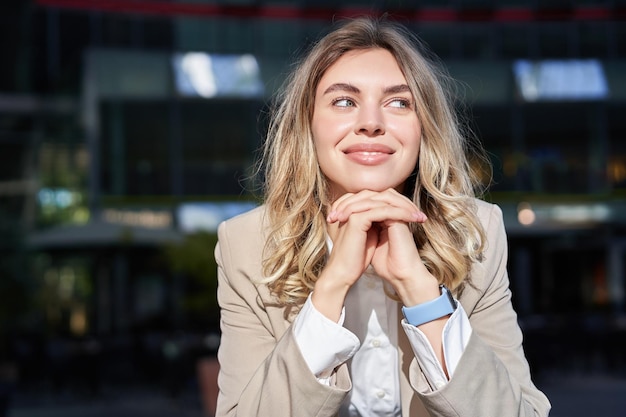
point(394, 89)
point(342, 87)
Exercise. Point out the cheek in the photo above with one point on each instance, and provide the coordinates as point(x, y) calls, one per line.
point(318, 140)
point(319, 145)
point(323, 156)
point(413, 146)
point(316, 131)
point(416, 140)
point(417, 149)
point(324, 134)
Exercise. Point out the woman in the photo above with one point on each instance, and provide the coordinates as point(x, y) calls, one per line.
point(336, 295)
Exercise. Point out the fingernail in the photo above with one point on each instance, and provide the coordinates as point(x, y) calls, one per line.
point(419, 216)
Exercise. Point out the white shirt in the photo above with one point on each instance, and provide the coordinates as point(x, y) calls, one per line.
point(366, 337)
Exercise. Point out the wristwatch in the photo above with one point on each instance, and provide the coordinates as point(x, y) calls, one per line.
point(431, 310)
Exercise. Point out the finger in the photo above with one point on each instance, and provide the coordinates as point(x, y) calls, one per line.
point(394, 198)
point(343, 213)
point(332, 211)
point(354, 207)
point(345, 201)
point(366, 200)
point(383, 214)
point(389, 196)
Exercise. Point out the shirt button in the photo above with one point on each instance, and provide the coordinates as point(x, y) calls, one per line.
point(380, 394)
point(439, 384)
point(376, 343)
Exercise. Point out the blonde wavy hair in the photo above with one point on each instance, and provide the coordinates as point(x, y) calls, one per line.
point(296, 191)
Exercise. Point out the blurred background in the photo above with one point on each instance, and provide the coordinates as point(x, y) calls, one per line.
point(128, 130)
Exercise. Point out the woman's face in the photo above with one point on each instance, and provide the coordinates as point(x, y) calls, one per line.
point(365, 128)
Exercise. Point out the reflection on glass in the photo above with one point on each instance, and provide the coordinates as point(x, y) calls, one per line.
point(193, 217)
point(576, 79)
point(200, 74)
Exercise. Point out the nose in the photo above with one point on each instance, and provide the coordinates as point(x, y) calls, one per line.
point(370, 121)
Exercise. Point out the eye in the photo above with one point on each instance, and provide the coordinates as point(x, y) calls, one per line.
point(401, 103)
point(343, 102)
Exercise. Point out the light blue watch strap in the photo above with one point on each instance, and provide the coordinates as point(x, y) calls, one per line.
point(431, 310)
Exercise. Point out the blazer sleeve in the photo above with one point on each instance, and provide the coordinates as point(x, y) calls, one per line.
point(262, 372)
point(493, 376)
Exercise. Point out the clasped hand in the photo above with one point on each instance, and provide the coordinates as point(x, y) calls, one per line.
point(372, 227)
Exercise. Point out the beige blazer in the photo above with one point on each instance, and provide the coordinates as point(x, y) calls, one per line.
point(263, 373)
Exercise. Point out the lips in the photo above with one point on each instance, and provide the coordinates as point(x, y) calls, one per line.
point(368, 153)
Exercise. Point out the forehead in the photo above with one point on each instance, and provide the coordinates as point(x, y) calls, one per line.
point(364, 66)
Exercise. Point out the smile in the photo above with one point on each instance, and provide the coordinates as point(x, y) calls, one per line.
point(368, 157)
point(369, 149)
point(369, 153)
